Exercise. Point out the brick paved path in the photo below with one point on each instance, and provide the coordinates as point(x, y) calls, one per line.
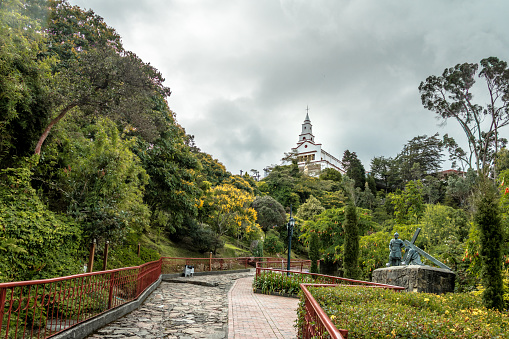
point(253, 315)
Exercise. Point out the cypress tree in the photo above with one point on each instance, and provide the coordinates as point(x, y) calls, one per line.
point(314, 251)
point(487, 218)
point(351, 247)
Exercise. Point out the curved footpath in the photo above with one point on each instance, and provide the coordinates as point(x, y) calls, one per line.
point(225, 307)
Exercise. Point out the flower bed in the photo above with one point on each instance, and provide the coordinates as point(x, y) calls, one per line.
point(378, 313)
point(278, 282)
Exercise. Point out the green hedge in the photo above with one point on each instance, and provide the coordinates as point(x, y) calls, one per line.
point(378, 313)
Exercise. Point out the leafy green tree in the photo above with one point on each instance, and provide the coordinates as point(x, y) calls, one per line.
point(502, 160)
point(309, 209)
point(371, 183)
point(106, 83)
point(450, 96)
point(354, 169)
point(203, 238)
point(456, 153)
point(272, 243)
point(351, 251)
point(433, 189)
point(172, 192)
point(330, 174)
point(381, 170)
point(366, 199)
point(333, 199)
point(460, 188)
point(24, 107)
point(270, 213)
point(72, 30)
point(421, 156)
point(211, 171)
point(441, 222)
point(408, 204)
point(281, 183)
point(100, 182)
point(92, 73)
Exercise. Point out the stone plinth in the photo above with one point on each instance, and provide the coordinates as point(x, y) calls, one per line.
point(416, 278)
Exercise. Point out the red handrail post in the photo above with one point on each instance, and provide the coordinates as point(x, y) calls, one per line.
point(105, 260)
point(110, 296)
point(210, 261)
point(3, 293)
point(91, 258)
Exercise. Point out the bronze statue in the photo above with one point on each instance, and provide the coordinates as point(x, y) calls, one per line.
point(412, 257)
point(395, 246)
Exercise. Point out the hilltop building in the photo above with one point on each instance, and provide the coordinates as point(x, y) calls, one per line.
point(312, 159)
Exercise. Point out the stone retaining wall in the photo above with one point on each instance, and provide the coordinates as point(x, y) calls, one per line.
point(416, 278)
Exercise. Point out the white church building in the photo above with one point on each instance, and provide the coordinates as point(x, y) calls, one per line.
point(312, 159)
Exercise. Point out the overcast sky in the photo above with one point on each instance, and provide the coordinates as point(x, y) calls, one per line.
point(243, 72)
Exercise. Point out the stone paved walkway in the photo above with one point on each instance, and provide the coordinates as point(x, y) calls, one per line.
point(185, 311)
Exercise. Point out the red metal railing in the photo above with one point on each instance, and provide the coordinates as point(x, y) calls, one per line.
point(295, 264)
point(316, 322)
point(176, 265)
point(328, 279)
point(41, 308)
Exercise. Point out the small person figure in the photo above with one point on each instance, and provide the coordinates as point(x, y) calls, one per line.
point(395, 246)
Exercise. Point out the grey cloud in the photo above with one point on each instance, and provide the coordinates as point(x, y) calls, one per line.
point(243, 72)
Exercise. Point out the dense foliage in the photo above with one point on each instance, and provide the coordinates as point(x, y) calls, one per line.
point(35, 243)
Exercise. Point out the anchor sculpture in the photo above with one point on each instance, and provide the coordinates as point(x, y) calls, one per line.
point(412, 253)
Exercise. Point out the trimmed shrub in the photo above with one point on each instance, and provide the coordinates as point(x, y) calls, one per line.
point(379, 313)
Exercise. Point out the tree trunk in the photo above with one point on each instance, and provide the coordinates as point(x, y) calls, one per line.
point(50, 126)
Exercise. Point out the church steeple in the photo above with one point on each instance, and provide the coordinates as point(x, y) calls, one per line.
point(307, 129)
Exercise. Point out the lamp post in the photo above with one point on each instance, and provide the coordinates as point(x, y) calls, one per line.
point(289, 226)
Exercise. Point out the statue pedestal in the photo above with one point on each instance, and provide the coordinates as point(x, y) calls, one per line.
point(416, 278)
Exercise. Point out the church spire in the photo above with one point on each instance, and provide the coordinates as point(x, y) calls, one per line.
point(307, 129)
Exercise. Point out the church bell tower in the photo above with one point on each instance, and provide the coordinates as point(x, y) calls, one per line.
point(307, 129)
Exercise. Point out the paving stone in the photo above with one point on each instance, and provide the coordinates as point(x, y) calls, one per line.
point(179, 311)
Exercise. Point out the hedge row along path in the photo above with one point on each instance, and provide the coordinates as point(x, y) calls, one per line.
point(226, 308)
